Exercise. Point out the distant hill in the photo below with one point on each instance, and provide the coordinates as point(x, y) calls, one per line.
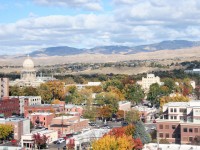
point(115, 49)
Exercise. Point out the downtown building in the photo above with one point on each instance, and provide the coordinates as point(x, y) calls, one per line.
point(180, 122)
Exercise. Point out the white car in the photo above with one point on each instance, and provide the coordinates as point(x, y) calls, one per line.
point(60, 140)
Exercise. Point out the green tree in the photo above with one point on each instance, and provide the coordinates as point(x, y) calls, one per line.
point(141, 133)
point(30, 91)
point(134, 93)
point(90, 113)
point(170, 83)
point(15, 91)
point(132, 116)
point(154, 94)
point(45, 92)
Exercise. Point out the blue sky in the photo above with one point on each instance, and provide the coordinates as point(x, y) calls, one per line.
point(28, 25)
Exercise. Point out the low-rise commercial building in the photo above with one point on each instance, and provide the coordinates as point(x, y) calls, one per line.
point(27, 140)
point(41, 119)
point(73, 109)
point(20, 125)
point(180, 122)
point(9, 106)
point(68, 124)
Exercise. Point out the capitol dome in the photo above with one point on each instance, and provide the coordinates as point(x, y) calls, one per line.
point(28, 63)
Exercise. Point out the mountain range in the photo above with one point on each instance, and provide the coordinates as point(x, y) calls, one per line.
point(115, 49)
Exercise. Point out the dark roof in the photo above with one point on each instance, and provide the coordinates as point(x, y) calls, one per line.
point(59, 125)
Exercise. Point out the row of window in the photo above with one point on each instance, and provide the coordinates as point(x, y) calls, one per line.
point(183, 110)
point(167, 135)
point(195, 130)
point(167, 126)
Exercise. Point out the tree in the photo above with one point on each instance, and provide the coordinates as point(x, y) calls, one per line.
point(154, 93)
point(40, 140)
point(170, 83)
point(90, 113)
point(112, 143)
point(45, 92)
point(134, 93)
point(141, 133)
point(105, 112)
point(196, 140)
point(15, 91)
point(132, 116)
point(176, 98)
point(5, 131)
point(30, 91)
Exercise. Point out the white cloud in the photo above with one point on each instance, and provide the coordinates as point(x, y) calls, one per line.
point(133, 22)
point(85, 4)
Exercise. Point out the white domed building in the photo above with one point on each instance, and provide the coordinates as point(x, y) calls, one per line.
point(28, 72)
point(28, 75)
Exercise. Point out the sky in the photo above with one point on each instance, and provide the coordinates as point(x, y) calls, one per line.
point(29, 25)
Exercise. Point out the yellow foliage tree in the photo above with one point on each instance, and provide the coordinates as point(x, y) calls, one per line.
point(176, 98)
point(5, 130)
point(109, 142)
point(56, 101)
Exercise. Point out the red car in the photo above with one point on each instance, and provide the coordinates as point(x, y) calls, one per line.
point(154, 121)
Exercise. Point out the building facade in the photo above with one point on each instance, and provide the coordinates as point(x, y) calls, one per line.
point(32, 100)
point(68, 124)
point(20, 125)
point(180, 122)
point(27, 140)
point(74, 109)
point(41, 119)
point(4, 88)
point(9, 106)
point(148, 81)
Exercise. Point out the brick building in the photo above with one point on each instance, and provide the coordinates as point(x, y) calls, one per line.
point(180, 122)
point(41, 119)
point(68, 124)
point(73, 109)
point(9, 106)
point(20, 125)
point(49, 108)
point(32, 100)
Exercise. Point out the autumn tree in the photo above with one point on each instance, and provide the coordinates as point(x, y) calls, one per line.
point(109, 142)
point(5, 131)
point(105, 112)
point(40, 141)
point(72, 95)
point(134, 93)
point(45, 92)
point(30, 91)
point(175, 98)
point(15, 91)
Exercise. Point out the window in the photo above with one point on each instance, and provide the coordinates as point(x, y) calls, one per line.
point(171, 110)
point(190, 130)
point(196, 130)
point(174, 109)
point(161, 135)
point(161, 126)
point(173, 126)
point(174, 135)
point(44, 118)
point(167, 135)
point(184, 129)
point(171, 117)
point(175, 117)
point(183, 110)
point(166, 126)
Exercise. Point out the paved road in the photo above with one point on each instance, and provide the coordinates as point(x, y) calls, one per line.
point(57, 146)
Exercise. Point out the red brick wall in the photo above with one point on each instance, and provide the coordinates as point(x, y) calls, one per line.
point(9, 106)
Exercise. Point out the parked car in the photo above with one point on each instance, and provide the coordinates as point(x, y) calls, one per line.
point(59, 141)
point(154, 121)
